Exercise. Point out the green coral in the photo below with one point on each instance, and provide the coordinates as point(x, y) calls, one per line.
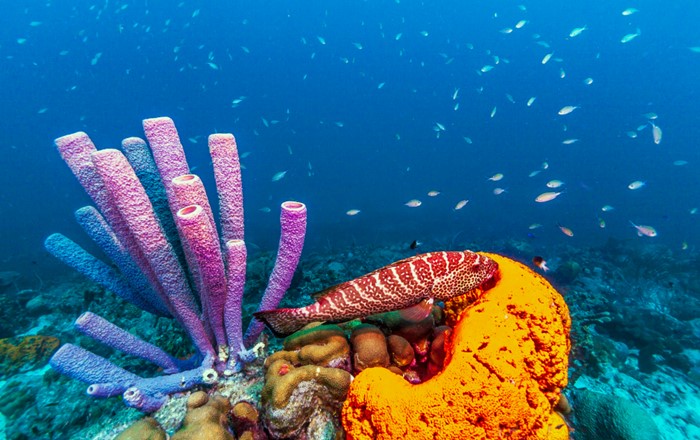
point(606, 417)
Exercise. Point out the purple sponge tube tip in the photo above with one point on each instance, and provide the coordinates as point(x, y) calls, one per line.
point(189, 190)
point(167, 151)
point(149, 394)
point(293, 224)
point(109, 334)
point(146, 403)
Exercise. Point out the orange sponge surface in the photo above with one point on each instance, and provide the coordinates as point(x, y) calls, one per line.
point(506, 364)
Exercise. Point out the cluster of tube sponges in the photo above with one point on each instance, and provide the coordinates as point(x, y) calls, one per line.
point(155, 223)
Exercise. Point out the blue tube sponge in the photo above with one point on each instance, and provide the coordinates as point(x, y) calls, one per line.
point(137, 153)
point(109, 334)
point(90, 219)
point(76, 257)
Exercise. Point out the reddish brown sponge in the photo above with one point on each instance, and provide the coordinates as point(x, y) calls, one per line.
point(505, 366)
point(436, 357)
point(369, 348)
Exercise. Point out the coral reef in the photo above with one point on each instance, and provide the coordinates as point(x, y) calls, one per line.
point(301, 398)
point(145, 429)
point(605, 417)
point(161, 235)
point(206, 418)
point(245, 420)
point(656, 302)
point(25, 352)
point(510, 346)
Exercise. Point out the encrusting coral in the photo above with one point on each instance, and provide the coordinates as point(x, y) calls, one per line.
point(322, 345)
point(145, 429)
point(245, 420)
point(306, 398)
point(506, 363)
point(206, 418)
point(306, 384)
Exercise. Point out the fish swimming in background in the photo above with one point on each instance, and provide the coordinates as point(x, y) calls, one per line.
point(410, 285)
point(414, 244)
point(539, 262)
point(642, 230)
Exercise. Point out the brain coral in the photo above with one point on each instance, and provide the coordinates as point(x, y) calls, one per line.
point(506, 365)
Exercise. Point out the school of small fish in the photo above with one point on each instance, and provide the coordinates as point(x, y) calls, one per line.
point(550, 57)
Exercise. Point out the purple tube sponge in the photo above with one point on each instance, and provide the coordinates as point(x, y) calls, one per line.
point(133, 214)
point(109, 334)
point(202, 243)
point(227, 172)
point(130, 198)
point(82, 365)
point(236, 256)
point(293, 225)
point(167, 152)
point(150, 394)
point(137, 152)
point(76, 150)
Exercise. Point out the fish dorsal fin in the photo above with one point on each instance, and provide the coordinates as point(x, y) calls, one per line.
point(325, 292)
point(394, 264)
point(418, 312)
point(328, 290)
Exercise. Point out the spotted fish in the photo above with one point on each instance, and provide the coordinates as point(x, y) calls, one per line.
point(410, 285)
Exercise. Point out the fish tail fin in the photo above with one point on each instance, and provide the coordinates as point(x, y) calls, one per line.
point(282, 322)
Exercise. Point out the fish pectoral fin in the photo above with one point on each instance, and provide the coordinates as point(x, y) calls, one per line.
point(418, 312)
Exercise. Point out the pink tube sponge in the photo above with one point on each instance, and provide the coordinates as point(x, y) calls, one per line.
point(202, 244)
point(293, 225)
point(189, 190)
point(236, 257)
point(167, 150)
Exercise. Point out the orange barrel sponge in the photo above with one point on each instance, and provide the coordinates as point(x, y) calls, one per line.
point(506, 364)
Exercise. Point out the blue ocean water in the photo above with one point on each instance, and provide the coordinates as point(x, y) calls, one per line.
point(366, 106)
